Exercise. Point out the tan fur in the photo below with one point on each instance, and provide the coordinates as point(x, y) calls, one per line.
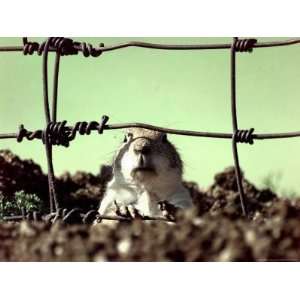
point(147, 169)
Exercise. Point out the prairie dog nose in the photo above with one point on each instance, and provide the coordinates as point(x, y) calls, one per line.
point(142, 146)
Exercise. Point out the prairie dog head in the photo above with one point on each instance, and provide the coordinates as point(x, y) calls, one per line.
point(146, 156)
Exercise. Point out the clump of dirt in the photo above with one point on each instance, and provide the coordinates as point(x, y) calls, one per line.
point(214, 230)
point(17, 174)
point(192, 238)
point(83, 190)
point(222, 197)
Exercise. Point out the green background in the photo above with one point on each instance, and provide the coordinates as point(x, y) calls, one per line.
point(178, 89)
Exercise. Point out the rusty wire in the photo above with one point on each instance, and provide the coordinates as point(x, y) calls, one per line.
point(77, 216)
point(58, 133)
point(88, 49)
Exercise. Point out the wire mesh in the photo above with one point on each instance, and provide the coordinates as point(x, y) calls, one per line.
point(58, 133)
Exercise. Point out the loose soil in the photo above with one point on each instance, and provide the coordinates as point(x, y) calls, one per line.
point(214, 230)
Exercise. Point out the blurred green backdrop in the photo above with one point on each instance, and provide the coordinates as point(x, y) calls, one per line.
point(178, 89)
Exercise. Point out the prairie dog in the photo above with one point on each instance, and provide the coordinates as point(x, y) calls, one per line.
point(147, 170)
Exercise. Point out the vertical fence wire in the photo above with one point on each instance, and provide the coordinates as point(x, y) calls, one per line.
point(235, 126)
point(64, 46)
point(54, 205)
point(55, 87)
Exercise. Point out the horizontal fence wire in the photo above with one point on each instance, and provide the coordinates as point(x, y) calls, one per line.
point(59, 133)
point(76, 215)
point(37, 134)
point(88, 48)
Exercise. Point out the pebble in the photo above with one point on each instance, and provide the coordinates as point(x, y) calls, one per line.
point(124, 246)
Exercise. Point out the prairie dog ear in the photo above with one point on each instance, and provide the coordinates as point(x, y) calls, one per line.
point(127, 136)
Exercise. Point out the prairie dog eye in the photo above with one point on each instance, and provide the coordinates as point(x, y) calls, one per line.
point(164, 138)
point(125, 139)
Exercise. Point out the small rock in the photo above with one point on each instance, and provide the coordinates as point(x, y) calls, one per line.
point(124, 246)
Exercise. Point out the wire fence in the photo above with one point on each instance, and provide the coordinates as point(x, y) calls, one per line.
point(59, 133)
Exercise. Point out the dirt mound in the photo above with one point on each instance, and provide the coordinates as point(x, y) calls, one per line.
point(193, 238)
point(214, 230)
point(83, 190)
point(17, 174)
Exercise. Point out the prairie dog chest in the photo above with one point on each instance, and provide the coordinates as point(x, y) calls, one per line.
point(143, 200)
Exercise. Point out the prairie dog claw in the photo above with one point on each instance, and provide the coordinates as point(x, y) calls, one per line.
point(129, 211)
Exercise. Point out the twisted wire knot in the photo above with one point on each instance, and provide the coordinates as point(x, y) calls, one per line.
point(58, 133)
point(89, 49)
point(31, 215)
point(64, 46)
point(31, 47)
point(24, 133)
point(85, 128)
point(73, 216)
point(244, 45)
point(244, 136)
point(90, 216)
point(102, 124)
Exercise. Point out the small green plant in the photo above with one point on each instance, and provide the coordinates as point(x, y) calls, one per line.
point(20, 201)
point(29, 202)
